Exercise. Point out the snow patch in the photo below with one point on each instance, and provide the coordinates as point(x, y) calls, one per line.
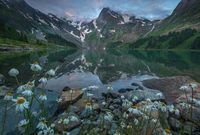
point(126, 17)
point(56, 19)
point(53, 26)
point(112, 14)
point(95, 24)
point(42, 21)
point(5, 4)
point(120, 23)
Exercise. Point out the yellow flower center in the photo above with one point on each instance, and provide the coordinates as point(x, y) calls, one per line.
point(117, 133)
point(9, 94)
point(43, 95)
point(167, 131)
point(43, 77)
point(175, 109)
point(72, 89)
point(129, 126)
point(30, 83)
point(35, 63)
point(20, 101)
point(53, 69)
point(122, 124)
point(134, 107)
point(43, 121)
point(163, 104)
point(89, 103)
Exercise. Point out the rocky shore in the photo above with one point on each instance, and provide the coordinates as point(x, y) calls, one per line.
point(156, 107)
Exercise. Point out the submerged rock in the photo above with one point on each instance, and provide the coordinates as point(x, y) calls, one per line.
point(12, 117)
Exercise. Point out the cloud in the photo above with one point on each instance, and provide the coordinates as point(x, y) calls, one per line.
point(69, 14)
point(90, 9)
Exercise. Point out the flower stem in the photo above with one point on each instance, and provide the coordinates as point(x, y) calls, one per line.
point(17, 80)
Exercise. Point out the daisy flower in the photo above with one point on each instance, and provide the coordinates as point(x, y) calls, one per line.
point(13, 72)
point(109, 88)
point(27, 93)
point(43, 97)
point(166, 132)
point(36, 67)
point(88, 106)
point(8, 96)
point(73, 118)
point(59, 100)
point(20, 89)
point(21, 104)
point(43, 80)
point(72, 91)
point(51, 72)
point(42, 124)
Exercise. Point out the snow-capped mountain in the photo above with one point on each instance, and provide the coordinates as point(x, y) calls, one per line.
point(22, 17)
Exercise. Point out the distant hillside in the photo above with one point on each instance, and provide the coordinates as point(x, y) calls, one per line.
point(185, 15)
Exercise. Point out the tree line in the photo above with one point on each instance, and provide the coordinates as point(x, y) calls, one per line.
point(10, 33)
point(58, 40)
point(170, 41)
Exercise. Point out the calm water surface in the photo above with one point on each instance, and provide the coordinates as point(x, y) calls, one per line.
point(119, 68)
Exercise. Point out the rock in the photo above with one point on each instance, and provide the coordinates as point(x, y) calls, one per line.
point(4, 90)
point(122, 90)
point(74, 109)
point(169, 86)
point(111, 107)
point(117, 113)
point(174, 124)
point(2, 80)
point(71, 125)
point(183, 98)
point(67, 99)
point(138, 86)
point(144, 94)
point(117, 101)
point(75, 131)
point(13, 117)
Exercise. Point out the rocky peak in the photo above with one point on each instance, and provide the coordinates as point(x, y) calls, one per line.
point(185, 4)
point(108, 16)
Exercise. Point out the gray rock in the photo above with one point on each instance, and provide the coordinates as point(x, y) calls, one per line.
point(4, 90)
point(2, 80)
point(75, 131)
point(117, 101)
point(117, 113)
point(174, 124)
point(74, 109)
point(85, 113)
point(111, 107)
point(12, 116)
point(72, 124)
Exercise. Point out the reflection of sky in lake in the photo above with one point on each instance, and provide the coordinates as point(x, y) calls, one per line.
point(83, 80)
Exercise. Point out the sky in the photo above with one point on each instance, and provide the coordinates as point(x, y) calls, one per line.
point(87, 10)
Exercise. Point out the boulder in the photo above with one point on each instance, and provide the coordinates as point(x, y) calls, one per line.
point(68, 99)
point(169, 86)
point(2, 80)
point(59, 127)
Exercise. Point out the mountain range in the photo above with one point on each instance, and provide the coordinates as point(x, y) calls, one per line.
point(109, 29)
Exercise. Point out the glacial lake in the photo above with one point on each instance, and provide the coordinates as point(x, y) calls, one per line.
point(83, 68)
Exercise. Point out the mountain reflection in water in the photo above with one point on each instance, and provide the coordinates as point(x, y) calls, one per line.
point(120, 68)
